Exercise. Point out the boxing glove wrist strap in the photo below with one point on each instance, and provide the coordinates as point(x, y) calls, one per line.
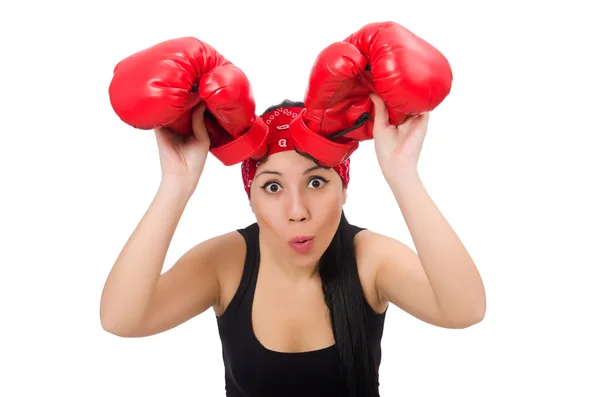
point(320, 148)
point(250, 144)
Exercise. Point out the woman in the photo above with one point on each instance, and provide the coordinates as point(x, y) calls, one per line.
point(301, 295)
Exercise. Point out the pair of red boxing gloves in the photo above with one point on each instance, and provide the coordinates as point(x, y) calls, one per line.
point(161, 85)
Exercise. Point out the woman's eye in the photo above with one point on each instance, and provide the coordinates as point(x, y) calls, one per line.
point(271, 187)
point(316, 182)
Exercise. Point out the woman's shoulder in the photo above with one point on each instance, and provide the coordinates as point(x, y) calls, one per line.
point(371, 246)
point(222, 245)
point(366, 244)
point(230, 248)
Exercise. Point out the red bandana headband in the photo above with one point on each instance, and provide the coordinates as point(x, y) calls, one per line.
point(280, 139)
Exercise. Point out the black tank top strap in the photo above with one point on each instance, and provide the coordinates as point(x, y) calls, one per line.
point(241, 304)
point(356, 229)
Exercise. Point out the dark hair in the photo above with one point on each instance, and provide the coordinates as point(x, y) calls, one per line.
point(347, 307)
point(286, 103)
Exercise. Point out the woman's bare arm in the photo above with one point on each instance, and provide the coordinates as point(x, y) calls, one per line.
point(136, 298)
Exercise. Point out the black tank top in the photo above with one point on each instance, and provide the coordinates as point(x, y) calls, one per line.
point(251, 370)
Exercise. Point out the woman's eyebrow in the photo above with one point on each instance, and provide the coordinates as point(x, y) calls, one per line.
point(311, 169)
point(269, 172)
point(316, 167)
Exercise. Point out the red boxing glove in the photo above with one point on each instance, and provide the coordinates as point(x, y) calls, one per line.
point(161, 85)
point(409, 74)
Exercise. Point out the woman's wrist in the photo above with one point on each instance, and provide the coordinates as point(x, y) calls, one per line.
point(177, 189)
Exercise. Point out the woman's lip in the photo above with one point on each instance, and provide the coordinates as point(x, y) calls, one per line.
point(301, 247)
point(300, 239)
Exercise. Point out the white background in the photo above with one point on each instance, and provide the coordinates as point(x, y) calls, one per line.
point(511, 159)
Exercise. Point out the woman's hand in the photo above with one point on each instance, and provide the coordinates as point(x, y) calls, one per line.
point(182, 157)
point(397, 147)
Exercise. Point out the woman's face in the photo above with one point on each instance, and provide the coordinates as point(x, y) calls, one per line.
point(292, 197)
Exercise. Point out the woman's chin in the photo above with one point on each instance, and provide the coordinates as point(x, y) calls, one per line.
point(306, 261)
